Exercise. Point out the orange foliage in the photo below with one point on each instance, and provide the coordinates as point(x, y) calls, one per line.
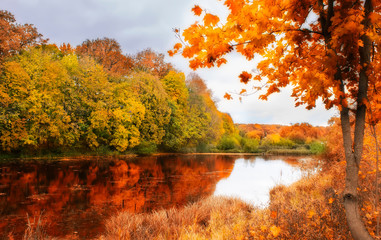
point(108, 53)
point(227, 96)
point(245, 77)
point(335, 151)
point(335, 59)
point(66, 49)
point(301, 132)
point(153, 62)
point(197, 10)
point(335, 166)
point(210, 19)
point(15, 37)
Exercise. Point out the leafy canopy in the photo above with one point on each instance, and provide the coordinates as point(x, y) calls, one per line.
point(302, 43)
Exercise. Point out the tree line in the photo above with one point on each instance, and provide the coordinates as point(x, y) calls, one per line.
point(94, 97)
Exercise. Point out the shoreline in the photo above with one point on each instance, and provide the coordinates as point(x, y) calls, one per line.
point(132, 155)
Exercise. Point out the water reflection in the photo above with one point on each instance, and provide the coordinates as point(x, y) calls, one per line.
point(78, 195)
point(252, 179)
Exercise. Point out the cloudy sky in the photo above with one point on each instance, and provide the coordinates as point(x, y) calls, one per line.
point(141, 24)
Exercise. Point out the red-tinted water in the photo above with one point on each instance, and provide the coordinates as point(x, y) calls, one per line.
point(74, 197)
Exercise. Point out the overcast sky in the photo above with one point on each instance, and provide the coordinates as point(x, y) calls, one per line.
point(141, 24)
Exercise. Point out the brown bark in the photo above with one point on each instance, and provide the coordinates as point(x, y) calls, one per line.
point(353, 155)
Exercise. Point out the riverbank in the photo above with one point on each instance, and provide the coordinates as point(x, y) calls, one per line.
point(308, 209)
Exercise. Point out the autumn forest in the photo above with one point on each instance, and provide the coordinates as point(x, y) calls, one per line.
point(94, 98)
point(146, 146)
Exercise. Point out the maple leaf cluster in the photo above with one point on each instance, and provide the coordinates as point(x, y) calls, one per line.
point(295, 50)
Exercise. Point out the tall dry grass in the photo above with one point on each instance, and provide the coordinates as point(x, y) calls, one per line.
point(211, 218)
point(36, 228)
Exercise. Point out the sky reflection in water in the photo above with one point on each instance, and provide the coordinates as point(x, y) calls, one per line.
point(251, 180)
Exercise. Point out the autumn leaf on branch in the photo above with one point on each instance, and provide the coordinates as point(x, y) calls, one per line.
point(245, 77)
point(210, 19)
point(197, 10)
point(228, 96)
point(177, 46)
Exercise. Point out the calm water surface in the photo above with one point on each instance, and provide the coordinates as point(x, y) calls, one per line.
point(77, 195)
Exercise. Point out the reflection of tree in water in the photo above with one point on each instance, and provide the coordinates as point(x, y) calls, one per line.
point(78, 195)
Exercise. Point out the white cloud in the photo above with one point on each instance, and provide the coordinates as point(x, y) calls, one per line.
point(137, 25)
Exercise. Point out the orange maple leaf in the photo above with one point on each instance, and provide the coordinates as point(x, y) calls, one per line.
point(245, 77)
point(197, 10)
point(177, 46)
point(210, 19)
point(171, 53)
point(228, 96)
point(221, 61)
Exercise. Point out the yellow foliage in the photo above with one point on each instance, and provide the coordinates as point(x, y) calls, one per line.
point(275, 231)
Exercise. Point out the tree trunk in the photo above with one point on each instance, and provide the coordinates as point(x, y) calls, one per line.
point(355, 224)
point(353, 154)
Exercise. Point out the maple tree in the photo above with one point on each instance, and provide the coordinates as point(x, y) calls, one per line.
point(151, 62)
point(324, 49)
point(107, 52)
point(14, 37)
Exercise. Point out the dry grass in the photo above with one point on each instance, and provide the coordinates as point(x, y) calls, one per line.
point(211, 218)
point(309, 209)
point(35, 228)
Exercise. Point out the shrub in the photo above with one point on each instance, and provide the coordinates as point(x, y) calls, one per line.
point(146, 148)
point(228, 143)
point(204, 148)
point(275, 140)
point(250, 145)
point(317, 147)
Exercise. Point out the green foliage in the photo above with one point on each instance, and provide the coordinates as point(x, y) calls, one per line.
point(145, 148)
point(250, 145)
point(228, 142)
point(155, 100)
point(317, 147)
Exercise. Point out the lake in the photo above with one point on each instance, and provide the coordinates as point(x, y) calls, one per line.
point(77, 195)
